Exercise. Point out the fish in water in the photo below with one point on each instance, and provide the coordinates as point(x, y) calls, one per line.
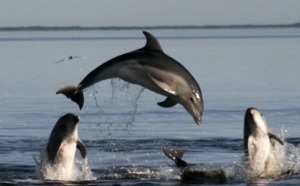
point(58, 159)
point(194, 174)
point(151, 68)
point(257, 144)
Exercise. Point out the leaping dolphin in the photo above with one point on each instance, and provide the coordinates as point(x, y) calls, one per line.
point(58, 158)
point(151, 68)
point(257, 143)
point(64, 140)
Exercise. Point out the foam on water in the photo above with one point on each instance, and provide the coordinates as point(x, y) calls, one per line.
point(80, 171)
point(283, 161)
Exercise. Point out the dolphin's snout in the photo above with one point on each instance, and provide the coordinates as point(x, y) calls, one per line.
point(77, 118)
point(198, 120)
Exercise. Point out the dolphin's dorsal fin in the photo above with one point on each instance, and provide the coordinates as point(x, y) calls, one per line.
point(151, 43)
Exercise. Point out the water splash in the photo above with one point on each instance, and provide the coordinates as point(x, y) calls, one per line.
point(139, 173)
point(284, 160)
point(116, 86)
point(80, 171)
point(130, 95)
point(134, 103)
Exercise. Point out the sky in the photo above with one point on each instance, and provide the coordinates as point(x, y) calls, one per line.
point(92, 13)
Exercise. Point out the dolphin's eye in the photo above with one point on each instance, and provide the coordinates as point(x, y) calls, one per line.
point(192, 100)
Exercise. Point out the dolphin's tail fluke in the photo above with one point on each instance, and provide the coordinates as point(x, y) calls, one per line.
point(176, 156)
point(74, 93)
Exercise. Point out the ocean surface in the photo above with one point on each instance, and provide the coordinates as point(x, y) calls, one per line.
point(123, 128)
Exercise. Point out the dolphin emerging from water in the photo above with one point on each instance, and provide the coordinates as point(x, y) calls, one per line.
point(64, 140)
point(59, 157)
point(151, 68)
point(257, 143)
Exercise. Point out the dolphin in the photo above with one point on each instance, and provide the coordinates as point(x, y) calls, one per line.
point(64, 140)
point(194, 174)
point(257, 143)
point(151, 68)
point(58, 158)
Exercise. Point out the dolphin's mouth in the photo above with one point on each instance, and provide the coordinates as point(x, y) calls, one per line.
point(198, 121)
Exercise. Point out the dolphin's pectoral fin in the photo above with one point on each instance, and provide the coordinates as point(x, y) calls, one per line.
point(72, 92)
point(81, 148)
point(275, 137)
point(176, 156)
point(169, 102)
point(163, 85)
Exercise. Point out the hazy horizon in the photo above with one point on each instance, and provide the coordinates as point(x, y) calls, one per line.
point(132, 27)
point(107, 13)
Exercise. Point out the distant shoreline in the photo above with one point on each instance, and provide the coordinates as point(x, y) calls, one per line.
point(74, 28)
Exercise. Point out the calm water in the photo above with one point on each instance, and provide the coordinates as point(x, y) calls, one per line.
point(121, 125)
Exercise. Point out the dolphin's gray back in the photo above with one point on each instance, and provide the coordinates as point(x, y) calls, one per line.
point(246, 137)
point(150, 55)
point(149, 58)
point(164, 62)
point(248, 121)
point(53, 146)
